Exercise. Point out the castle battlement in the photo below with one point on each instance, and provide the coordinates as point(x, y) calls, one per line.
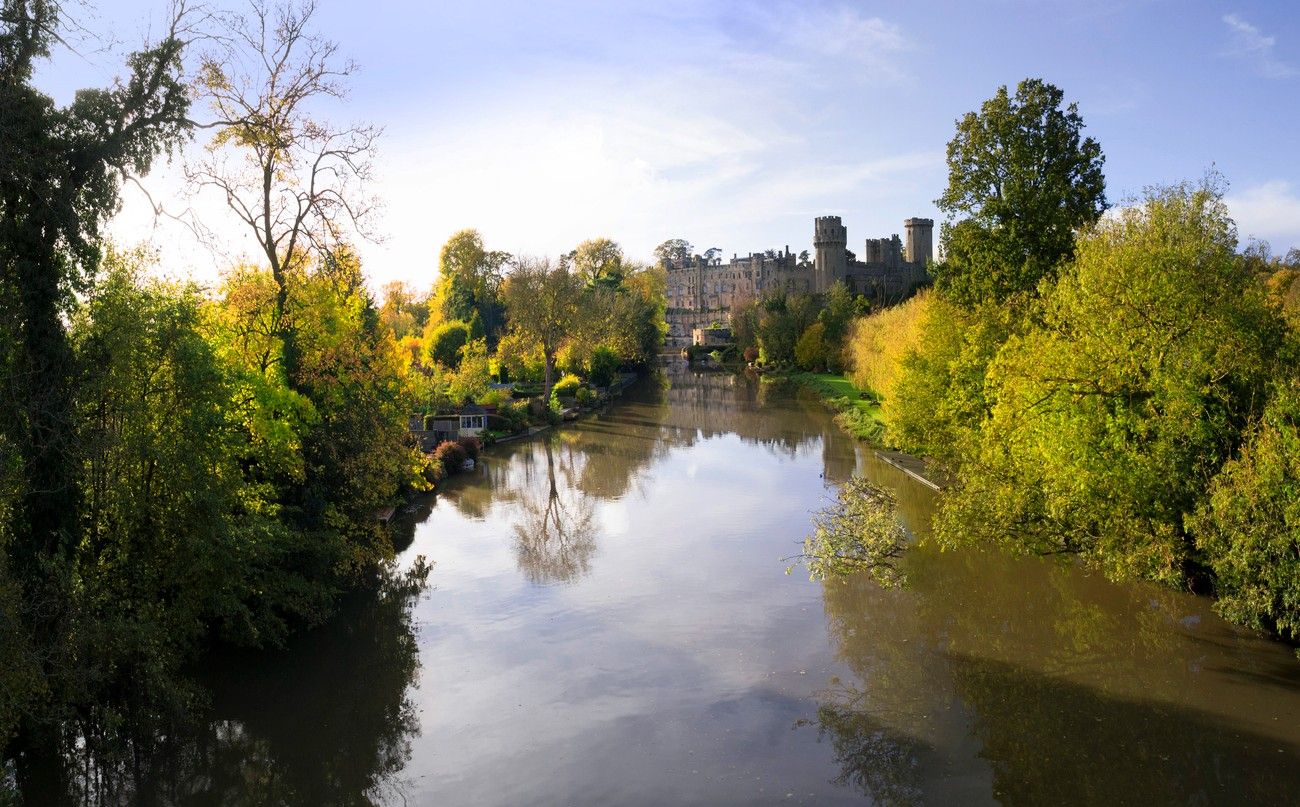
point(701, 291)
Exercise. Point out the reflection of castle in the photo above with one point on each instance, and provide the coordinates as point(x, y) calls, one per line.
point(700, 290)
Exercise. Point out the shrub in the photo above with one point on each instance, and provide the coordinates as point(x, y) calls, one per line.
point(585, 396)
point(494, 397)
point(432, 471)
point(860, 424)
point(471, 445)
point(604, 363)
point(451, 455)
point(566, 387)
point(514, 416)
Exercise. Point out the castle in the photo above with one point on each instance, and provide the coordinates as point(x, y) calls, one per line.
point(703, 291)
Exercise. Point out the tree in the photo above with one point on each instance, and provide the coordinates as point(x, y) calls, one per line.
point(404, 311)
point(862, 531)
point(604, 364)
point(544, 304)
point(1155, 350)
point(469, 281)
point(674, 251)
point(443, 343)
point(599, 262)
point(1023, 179)
point(61, 169)
point(1249, 527)
point(811, 350)
point(294, 180)
point(840, 309)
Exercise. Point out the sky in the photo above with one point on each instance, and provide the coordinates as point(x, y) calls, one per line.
point(734, 124)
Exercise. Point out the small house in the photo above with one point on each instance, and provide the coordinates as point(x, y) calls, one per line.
point(473, 419)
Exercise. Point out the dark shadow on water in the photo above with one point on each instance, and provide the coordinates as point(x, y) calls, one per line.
point(1052, 741)
point(324, 721)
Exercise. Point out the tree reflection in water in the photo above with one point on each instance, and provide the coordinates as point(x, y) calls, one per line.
point(326, 721)
point(879, 761)
point(555, 537)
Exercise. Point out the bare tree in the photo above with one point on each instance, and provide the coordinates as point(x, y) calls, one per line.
point(294, 180)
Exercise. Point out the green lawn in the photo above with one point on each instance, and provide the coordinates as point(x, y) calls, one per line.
point(833, 385)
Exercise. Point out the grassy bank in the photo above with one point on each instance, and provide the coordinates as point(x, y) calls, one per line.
point(857, 410)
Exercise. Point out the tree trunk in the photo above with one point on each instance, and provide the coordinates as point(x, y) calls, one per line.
point(550, 375)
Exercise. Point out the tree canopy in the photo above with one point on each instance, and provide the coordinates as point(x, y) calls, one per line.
point(1022, 179)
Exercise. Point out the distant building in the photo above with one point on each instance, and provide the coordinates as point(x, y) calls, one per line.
point(711, 337)
point(700, 290)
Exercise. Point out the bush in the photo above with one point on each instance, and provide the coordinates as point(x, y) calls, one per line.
point(494, 397)
point(432, 471)
point(566, 387)
point(514, 416)
point(451, 455)
point(585, 396)
point(860, 424)
point(604, 364)
point(471, 445)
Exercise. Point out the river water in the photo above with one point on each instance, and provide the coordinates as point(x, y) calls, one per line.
point(609, 621)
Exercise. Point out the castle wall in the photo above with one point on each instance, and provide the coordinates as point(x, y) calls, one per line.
point(701, 292)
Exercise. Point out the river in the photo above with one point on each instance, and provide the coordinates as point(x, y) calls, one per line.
point(609, 620)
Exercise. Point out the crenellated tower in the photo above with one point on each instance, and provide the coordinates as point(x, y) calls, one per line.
point(920, 240)
point(831, 241)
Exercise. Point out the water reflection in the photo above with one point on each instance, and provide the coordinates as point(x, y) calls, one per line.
point(1036, 684)
point(555, 535)
point(326, 721)
point(611, 623)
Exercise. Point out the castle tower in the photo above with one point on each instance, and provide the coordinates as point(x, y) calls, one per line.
point(831, 241)
point(920, 240)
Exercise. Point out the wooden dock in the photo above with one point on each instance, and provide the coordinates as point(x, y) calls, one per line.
point(915, 467)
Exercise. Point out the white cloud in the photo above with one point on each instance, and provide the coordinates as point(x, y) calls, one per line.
point(845, 33)
point(1268, 212)
point(734, 140)
point(1252, 46)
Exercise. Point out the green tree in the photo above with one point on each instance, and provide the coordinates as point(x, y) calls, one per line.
point(862, 531)
point(469, 281)
point(811, 350)
point(1154, 351)
point(1022, 179)
point(604, 364)
point(443, 344)
point(472, 376)
point(545, 306)
point(782, 319)
point(599, 262)
point(61, 169)
point(673, 251)
point(1249, 527)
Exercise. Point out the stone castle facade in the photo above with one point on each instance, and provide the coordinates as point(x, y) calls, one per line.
point(701, 291)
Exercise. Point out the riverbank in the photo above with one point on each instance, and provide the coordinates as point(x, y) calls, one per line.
point(857, 411)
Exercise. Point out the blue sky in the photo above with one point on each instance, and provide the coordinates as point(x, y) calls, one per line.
point(733, 124)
